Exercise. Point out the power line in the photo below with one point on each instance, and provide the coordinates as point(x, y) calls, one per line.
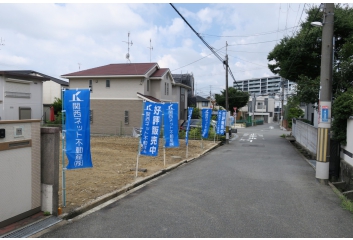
point(256, 34)
point(199, 36)
point(252, 43)
point(290, 67)
point(197, 60)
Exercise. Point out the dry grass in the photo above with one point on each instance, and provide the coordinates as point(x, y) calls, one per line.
point(112, 158)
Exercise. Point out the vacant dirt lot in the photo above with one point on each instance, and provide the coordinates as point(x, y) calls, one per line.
point(113, 158)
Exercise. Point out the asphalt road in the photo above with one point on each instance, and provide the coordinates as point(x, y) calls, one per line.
point(257, 186)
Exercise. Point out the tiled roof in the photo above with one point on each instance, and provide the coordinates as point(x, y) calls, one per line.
point(160, 72)
point(152, 99)
point(201, 99)
point(116, 69)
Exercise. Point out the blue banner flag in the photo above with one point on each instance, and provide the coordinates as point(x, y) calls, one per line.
point(171, 130)
point(221, 122)
point(151, 124)
point(206, 121)
point(77, 124)
point(188, 125)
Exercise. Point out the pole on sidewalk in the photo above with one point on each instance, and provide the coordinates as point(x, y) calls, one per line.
point(323, 138)
point(227, 106)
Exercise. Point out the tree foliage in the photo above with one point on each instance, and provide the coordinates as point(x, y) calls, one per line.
point(292, 110)
point(57, 105)
point(342, 109)
point(298, 58)
point(236, 98)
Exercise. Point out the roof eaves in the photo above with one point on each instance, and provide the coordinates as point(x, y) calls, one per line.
point(103, 76)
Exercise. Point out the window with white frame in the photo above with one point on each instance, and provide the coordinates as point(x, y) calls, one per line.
point(205, 104)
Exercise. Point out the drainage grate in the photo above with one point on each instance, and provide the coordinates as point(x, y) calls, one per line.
point(33, 228)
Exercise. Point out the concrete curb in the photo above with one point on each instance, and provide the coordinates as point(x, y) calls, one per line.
point(86, 207)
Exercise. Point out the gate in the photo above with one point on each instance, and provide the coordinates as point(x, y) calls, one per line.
point(334, 168)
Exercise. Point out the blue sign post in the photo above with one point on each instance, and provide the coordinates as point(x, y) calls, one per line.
point(187, 130)
point(77, 124)
point(221, 122)
point(188, 125)
point(151, 125)
point(171, 137)
point(206, 121)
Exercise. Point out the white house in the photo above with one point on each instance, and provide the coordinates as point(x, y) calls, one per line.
point(263, 110)
point(21, 95)
point(118, 92)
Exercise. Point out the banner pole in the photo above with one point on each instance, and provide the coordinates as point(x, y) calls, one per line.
point(139, 146)
point(63, 131)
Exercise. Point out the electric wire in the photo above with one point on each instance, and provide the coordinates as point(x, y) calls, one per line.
point(197, 34)
point(256, 34)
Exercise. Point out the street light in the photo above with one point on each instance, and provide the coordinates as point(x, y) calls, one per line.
point(317, 24)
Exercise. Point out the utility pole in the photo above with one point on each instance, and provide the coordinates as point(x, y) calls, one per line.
point(282, 101)
point(324, 126)
point(227, 107)
point(253, 109)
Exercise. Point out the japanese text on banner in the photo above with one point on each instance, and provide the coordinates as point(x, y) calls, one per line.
point(151, 128)
point(77, 105)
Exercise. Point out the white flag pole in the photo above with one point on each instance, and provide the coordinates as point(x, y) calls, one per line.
point(139, 146)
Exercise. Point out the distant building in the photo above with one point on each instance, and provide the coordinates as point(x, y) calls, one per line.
point(200, 102)
point(264, 85)
point(188, 80)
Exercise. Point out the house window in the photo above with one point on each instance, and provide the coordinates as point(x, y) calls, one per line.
point(24, 113)
point(261, 105)
point(148, 85)
point(91, 116)
point(126, 117)
point(205, 104)
point(90, 85)
point(107, 83)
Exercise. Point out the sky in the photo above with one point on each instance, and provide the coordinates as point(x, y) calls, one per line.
point(56, 39)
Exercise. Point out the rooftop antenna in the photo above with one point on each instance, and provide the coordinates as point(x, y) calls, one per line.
point(128, 46)
point(79, 66)
point(1, 44)
point(151, 48)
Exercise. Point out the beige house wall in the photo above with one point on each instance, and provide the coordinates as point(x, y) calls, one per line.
point(109, 116)
point(119, 88)
point(51, 90)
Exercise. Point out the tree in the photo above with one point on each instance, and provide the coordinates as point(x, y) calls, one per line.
point(342, 109)
point(292, 110)
point(196, 113)
point(57, 105)
point(236, 98)
point(298, 58)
